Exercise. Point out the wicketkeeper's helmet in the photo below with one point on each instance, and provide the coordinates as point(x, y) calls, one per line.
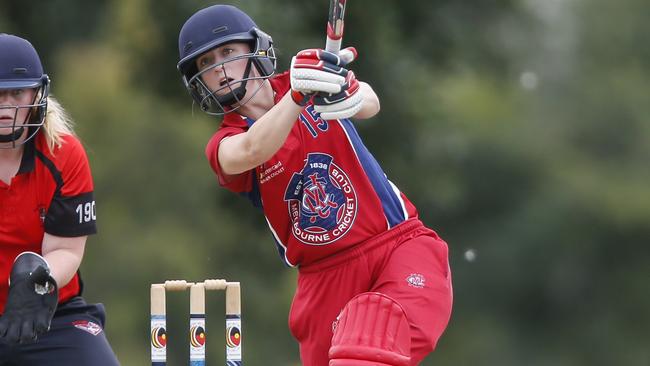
point(210, 28)
point(20, 68)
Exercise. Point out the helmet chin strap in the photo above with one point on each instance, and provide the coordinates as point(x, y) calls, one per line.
point(238, 93)
point(15, 135)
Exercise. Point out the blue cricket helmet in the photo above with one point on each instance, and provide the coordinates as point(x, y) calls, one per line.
point(21, 68)
point(210, 28)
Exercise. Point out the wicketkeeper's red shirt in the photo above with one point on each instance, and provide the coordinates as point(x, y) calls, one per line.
point(52, 193)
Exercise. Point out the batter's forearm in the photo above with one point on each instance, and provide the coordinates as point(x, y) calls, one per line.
point(370, 106)
point(270, 132)
point(245, 151)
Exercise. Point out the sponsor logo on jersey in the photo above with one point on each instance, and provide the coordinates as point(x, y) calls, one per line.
point(88, 326)
point(271, 172)
point(321, 200)
point(415, 280)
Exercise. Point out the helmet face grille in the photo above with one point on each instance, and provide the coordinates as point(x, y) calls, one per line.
point(210, 28)
point(232, 95)
point(33, 122)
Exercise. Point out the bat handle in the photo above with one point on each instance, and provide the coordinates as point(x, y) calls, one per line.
point(333, 45)
point(334, 38)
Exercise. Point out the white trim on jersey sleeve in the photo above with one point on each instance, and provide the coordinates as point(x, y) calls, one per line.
point(356, 154)
point(398, 193)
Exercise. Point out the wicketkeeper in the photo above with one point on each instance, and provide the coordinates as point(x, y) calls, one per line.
point(47, 211)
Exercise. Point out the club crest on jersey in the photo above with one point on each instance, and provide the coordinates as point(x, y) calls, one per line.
point(321, 200)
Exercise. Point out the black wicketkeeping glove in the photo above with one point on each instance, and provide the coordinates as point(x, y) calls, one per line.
point(32, 300)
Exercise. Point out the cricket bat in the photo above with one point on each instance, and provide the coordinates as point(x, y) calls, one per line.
point(335, 26)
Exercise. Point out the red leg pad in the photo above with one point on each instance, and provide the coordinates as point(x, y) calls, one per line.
point(372, 330)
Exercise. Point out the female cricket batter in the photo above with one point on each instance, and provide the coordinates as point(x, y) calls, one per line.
point(374, 283)
point(47, 210)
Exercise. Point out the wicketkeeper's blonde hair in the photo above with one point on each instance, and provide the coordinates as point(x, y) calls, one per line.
point(57, 124)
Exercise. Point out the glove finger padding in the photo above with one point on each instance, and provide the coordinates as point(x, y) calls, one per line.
point(345, 104)
point(344, 109)
point(317, 70)
point(308, 79)
point(348, 55)
point(13, 330)
point(320, 60)
point(317, 56)
point(350, 87)
point(42, 323)
point(27, 331)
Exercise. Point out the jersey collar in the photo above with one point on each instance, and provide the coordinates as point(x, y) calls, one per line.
point(29, 155)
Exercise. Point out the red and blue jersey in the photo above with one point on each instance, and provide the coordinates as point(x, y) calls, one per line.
point(322, 191)
point(51, 193)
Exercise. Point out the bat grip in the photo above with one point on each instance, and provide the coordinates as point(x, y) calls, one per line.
point(333, 45)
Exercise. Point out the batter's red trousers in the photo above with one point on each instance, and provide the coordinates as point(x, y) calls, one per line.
point(409, 263)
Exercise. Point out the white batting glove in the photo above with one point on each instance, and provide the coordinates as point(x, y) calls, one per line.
point(316, 70)
point(341, 110)
point(342, 105)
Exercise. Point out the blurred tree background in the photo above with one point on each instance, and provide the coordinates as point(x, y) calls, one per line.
point(518, 127)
